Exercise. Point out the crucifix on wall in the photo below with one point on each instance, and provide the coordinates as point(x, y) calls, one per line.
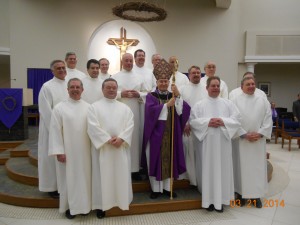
point(122, 43)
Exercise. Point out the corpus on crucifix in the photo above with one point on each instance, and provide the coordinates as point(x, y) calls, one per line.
point(122, 43)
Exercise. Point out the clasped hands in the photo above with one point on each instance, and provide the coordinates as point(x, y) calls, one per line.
point(130, 94)
point(216, 122)
point(252, 136)
point(116, 141)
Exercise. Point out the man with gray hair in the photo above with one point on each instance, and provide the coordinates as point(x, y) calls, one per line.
point(238, 91)
point(104, 66)
point(72, 72)
point(210, 71)
point(51, 93)
point(155, 59)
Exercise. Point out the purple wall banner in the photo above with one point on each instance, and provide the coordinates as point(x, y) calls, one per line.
point(10, 105)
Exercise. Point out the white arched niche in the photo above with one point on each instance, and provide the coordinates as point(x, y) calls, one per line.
point(99, 48)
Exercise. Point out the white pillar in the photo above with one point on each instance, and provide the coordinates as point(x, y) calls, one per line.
point(250, 67)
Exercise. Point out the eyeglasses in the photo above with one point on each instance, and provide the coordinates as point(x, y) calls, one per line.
point(211, 67)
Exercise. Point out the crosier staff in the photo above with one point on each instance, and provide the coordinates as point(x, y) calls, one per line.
point(172, 137)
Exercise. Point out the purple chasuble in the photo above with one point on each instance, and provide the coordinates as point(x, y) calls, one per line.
point(153, 133)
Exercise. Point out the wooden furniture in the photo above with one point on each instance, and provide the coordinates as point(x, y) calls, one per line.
point(35, 117)
point(33, 114)
point(290, 130)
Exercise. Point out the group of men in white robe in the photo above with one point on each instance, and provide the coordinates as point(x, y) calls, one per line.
point(227, 140)
point(203, 139)
point(77, 144)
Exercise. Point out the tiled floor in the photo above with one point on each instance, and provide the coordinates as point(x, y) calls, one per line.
point(285, 186)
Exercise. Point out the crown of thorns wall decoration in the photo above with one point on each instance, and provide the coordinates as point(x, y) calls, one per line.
point(140, 11)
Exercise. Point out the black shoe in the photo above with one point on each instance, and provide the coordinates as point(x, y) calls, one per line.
point(69, 216)
point(168, 193)
point(53, 194)
point(194, 187)
point(210, 208)
point(136, 176)
point(242, 200)
point(258, 203)
point(219, 210)
point(100, 214)
point(154, 195)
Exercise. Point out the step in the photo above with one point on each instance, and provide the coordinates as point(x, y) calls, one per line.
point(20, 151)
point(33, 158)
point(4, 156)
point(10, 144)
point(14, 193)
point(21, 170)
point(187, 199)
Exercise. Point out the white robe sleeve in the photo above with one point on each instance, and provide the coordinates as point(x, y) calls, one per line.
point(97, 135)
point(119, 95)
point(45, 105)
point(224, 91)
point(164, 112)
point(199, 125)
point(232, 123)
point(266, 126)
point(179, 105)
point(143, 96)
point(126, 134)
point(56, 140)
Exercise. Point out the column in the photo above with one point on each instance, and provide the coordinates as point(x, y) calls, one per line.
point(250, 67)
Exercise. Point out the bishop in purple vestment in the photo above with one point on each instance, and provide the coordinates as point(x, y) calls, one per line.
point(158, 127)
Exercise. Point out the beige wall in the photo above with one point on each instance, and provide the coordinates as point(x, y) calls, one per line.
point(274, 15)
point(4, 74)
point(4, 44)
point(4, 23)
point(195, 31)
point(285, 82)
